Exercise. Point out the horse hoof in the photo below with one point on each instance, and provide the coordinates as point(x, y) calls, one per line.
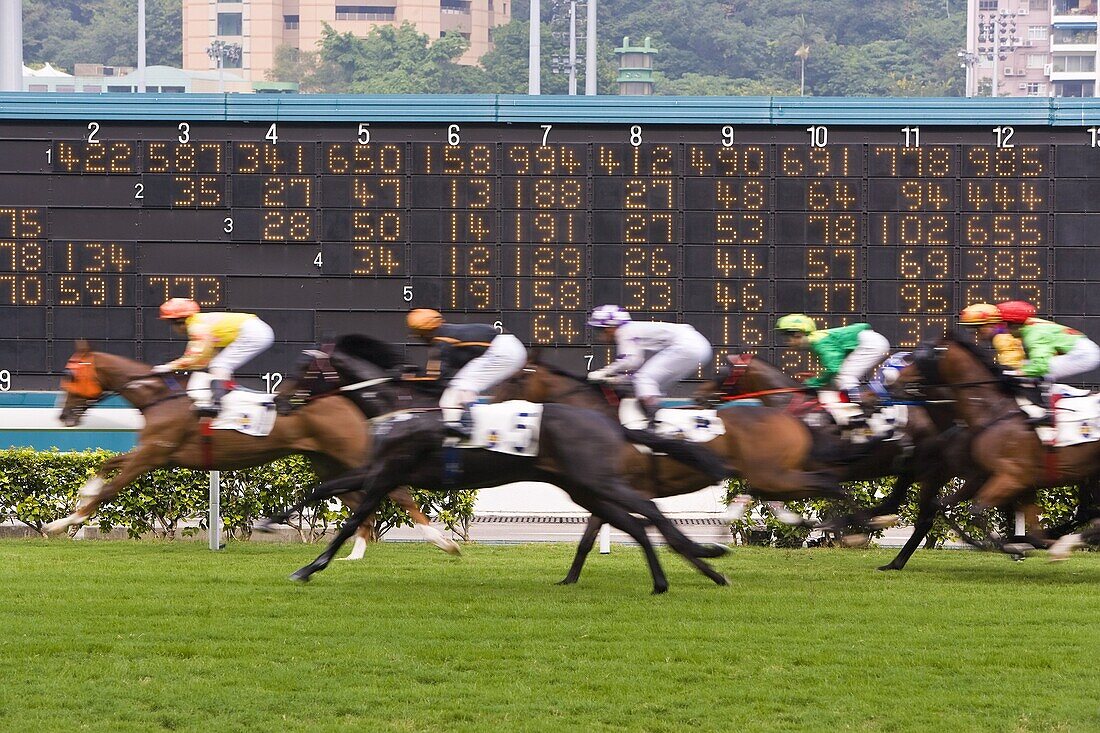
point(301, 575)
point(265, 525)
point(721, 580)
point(1061, 549)
point(855, 540)
point(57, 527)
point(451, 548)
point(567, 581)
point(712, 550)
point(891, 566)
point(884, 521)
point(1018, 550)
point(659, 588)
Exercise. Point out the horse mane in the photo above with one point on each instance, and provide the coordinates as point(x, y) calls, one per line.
point(368, 348)
point(558, 371)
point(985, 358)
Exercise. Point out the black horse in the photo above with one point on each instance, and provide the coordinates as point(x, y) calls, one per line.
point(576, 452)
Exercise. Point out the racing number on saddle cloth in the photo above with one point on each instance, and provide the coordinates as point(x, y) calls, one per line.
point(334, 227)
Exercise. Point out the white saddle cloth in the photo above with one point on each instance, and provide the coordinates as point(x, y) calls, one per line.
point(694, 426)
point(242, 410)
point(506, 427)
point(1076, 416)
point(881, 424)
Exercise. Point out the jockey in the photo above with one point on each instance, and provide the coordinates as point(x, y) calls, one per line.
point(469, 357)
point(1054, 352)
point(219, 342)
point(990, 329)
point(659, 354)
point(847, 354)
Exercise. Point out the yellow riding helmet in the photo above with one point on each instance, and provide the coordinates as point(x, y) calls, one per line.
point(423, 320)
point(980, 314)
point(796, 322)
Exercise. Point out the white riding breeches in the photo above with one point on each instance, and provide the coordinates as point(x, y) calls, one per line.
point(505, 356)
point(668, 366)
point(254, 338)
point(1083, 357)
point(872, 349)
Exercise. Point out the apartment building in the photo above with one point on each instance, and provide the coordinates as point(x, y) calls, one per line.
point(259, 27)
point(1042, 48)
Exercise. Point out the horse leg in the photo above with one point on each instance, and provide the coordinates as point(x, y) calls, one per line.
point(427, 531)
point(327, 490)
point(622, 519)
point(926, 516)
point(588, 539)
point(370, 503)
point(98, 489)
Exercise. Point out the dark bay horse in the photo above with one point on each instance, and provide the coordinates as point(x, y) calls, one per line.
point(765, 446)
point(331, 432)
point(1002, 444)
point(574, 445)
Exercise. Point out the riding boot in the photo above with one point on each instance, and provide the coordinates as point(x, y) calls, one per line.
point(218, 388)
point(463, 427)
point(649, 409)
point(1039, 394)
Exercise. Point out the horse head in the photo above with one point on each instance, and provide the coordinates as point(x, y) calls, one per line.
point(936, 368)
point(81, 385)
point(312, 376)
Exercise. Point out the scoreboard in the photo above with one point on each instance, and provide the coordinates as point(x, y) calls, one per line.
point(334, 226)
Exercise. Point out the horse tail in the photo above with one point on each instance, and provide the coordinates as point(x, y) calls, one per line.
point(691, 454)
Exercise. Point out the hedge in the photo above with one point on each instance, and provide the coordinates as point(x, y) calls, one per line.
point(758, 526)
point(37, 487)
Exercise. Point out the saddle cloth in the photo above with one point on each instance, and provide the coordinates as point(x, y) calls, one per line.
point(694, 426)
point(506, 427)
point(880, 424)
point(243, 410)
point(1076, 416)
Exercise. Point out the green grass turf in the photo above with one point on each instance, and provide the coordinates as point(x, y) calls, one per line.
point(144, 636)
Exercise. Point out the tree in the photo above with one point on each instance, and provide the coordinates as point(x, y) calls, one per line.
point(387, 60)
point(68, 32)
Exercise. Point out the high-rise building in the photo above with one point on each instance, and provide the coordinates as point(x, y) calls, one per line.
point(1032, 48)
point(258, 27)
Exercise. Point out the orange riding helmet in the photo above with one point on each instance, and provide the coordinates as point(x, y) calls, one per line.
point(980, 314)
point(175, 308)
point(423, 320)
point(1017, 311)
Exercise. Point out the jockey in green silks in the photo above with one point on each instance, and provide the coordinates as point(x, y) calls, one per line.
point(847, 354)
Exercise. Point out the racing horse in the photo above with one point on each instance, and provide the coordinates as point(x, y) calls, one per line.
point(572, 450)
point(1002, 445)
point(765, 446)
point(929, 455)
point(331, 432)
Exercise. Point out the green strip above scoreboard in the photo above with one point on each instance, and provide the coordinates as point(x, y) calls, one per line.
point(520, 109)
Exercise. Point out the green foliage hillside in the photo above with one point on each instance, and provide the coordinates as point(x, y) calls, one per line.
point(705, 47)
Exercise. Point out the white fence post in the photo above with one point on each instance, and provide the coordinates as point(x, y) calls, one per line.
point(214, 520)
point(605, 539)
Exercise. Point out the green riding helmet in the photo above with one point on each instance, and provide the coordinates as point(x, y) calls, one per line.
point(796, 322)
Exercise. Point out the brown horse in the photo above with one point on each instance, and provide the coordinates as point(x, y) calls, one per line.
point(332, 432)
point(765, 446)
point(929, 455)
point(1002, 445)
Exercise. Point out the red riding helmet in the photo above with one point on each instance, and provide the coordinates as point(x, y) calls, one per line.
point(1017, 311)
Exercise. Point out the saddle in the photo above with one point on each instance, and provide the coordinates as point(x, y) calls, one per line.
point(505, 427)
point(244, 410)
point(1076, 416)
point(679, 423)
